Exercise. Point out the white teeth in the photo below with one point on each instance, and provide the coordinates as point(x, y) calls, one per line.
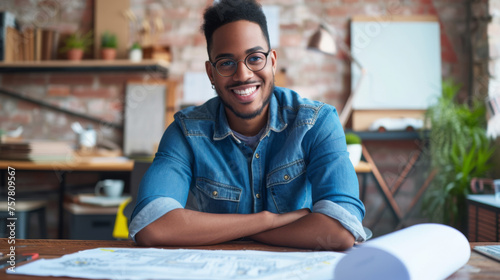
point(245, 92)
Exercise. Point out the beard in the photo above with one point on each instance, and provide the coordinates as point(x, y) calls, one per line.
point(248, 116)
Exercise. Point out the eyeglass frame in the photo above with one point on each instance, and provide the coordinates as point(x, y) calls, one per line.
point(238, 61)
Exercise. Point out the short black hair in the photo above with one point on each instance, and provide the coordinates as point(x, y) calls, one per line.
point(227, 11)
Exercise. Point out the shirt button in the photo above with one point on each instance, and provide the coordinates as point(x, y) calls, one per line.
point(257, 195)
point(215, 193)
point(257, 156)
point(286, 177)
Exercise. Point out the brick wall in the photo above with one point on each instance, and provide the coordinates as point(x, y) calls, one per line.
point(311, 74)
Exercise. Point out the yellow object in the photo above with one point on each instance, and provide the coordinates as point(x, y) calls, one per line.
point(120, 231)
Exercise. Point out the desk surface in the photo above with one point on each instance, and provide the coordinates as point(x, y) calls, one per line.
point(478, 267)
point(102, 165)
point(107, 164)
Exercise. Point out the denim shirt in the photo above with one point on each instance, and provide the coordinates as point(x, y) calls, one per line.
point(301, 161)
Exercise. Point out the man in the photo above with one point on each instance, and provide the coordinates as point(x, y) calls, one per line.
point(256, 161)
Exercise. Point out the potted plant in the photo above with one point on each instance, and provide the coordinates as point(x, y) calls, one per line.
point(109, 43)
point(76, 44)
point(354, 148)
point(459, 151)
point(135, 54)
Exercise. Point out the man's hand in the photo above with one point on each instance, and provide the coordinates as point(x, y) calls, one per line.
point(290, 217)
point(313, 231)
point(182, 227)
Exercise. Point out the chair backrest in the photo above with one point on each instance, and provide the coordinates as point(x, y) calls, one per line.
point(120, 230)
point(138, 172)
point(477, 184)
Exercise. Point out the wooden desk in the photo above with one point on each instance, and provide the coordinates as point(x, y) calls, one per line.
point(62, 168)
point(483, 223)
point(478, 267)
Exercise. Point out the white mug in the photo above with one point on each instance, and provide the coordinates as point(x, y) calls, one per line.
point(112, 188)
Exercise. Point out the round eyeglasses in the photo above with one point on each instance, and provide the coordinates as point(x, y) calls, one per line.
point(255, 61)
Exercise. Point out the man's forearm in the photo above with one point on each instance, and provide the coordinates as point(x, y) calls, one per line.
point(313, 231)
point(182, 227)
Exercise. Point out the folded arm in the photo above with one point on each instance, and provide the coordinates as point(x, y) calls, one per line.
point(313, 231)
point(183, 227)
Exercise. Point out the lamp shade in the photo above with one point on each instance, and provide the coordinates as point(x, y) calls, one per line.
point(322, 41)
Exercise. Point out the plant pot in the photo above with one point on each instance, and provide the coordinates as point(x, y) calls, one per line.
point(355, 152)
point(75, 54)
point(135, 55)
point(108, 53)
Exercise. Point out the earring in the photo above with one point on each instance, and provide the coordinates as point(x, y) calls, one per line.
point(213, 86)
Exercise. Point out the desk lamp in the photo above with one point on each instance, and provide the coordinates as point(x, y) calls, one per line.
point(323, 40)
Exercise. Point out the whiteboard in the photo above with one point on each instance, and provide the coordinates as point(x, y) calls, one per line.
point(144, 118)
point(402, 62)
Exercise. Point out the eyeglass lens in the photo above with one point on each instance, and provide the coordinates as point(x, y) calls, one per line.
point(254, 62)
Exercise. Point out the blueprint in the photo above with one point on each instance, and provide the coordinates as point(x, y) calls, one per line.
point(152, 263)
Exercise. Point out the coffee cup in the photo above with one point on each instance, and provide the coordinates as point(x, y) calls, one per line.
point(109, 188)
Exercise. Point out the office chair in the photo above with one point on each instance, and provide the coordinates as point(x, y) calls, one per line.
point(120, 230)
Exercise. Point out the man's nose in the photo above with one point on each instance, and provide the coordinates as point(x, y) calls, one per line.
point(242, 72)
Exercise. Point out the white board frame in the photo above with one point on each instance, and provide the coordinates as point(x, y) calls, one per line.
point(401, 57)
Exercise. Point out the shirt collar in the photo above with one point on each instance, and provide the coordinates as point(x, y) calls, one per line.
point(274, 123)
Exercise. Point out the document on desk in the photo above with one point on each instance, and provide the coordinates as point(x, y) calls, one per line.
point(152, 263)
point(425, 251)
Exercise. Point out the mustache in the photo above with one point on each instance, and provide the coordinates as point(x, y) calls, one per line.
point(238, 84)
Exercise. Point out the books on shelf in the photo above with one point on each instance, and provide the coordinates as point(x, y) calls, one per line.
point(28, 44)
point(7, 20)
point(36, 150)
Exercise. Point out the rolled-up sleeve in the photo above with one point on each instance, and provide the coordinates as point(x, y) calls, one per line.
point(151, 212)
point(345, 218)
point(165, 186)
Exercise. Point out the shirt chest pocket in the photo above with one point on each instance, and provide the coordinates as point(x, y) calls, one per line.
point(214, 197)
point(289, 187)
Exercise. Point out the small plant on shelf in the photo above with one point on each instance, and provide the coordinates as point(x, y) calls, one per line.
point(109, 43)
point(351, 138)
point(135, 53)
point(354, 147)
point(136, 46)
point(76, 44)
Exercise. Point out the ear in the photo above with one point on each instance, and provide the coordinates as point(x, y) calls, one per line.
point(209, 70)
point(273, 56)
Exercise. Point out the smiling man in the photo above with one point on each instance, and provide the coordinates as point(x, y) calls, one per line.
point(256, 161)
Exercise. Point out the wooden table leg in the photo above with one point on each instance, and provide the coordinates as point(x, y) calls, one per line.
point(391, 202)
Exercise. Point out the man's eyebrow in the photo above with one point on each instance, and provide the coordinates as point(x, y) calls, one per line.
point(230, 55)
point(254, 49)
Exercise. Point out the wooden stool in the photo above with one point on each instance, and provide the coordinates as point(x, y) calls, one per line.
point(23, 211)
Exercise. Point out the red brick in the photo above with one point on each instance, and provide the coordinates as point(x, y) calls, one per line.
point(23, 117)
point(60, 91)
point(345, 11)
point(27, 106)
point(71, 79)
point(89, 92)
point(23, 79)
point(115, 106)
point(176, 13)
point(119, 78)
point(199, 40)
point(291, 40)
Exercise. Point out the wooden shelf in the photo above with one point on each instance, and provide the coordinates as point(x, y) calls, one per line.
point(84, 66)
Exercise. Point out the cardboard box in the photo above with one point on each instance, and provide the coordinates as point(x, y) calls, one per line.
point(363, 119)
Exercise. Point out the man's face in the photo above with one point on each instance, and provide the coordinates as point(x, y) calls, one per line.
point(245, 94)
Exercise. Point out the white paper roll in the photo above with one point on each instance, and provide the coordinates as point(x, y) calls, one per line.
point(424, 251)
